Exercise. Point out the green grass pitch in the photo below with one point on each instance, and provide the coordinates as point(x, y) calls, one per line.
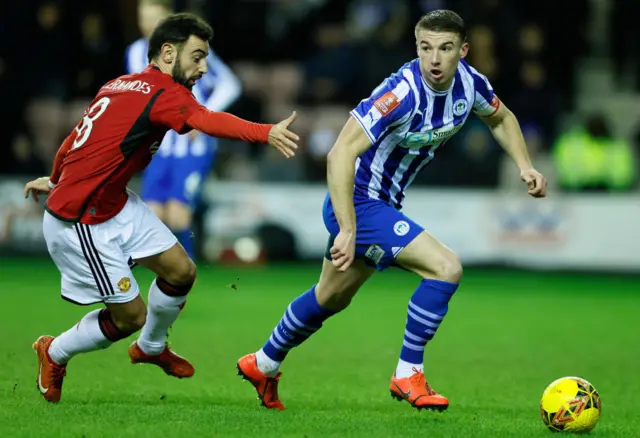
point(508, 334)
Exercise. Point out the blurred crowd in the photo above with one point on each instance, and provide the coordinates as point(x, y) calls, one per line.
point(321, 57)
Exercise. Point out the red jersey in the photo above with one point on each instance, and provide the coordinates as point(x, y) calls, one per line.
point(117, 137)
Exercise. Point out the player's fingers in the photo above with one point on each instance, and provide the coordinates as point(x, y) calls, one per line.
point(26, 191)
point(288, 143)
point(346, 264)
point(285, 151)
point(34, 195)
point(291, 135)
point(289, 152)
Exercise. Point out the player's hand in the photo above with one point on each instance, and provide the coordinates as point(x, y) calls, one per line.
point(343, 250)
point(535, 181)
point(37, 187)
point(282, 139)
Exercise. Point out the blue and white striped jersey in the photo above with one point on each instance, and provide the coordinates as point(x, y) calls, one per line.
point(407, 121)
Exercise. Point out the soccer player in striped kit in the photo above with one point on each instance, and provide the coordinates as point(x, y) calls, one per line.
point(172, 183)
point(390, 137)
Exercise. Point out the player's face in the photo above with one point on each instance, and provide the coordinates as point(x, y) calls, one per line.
point(149, 16)
point(191, 62)
point(439, 54)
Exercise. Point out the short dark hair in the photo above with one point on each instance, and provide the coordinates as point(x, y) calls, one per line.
point(176, 29)
point(443, 20)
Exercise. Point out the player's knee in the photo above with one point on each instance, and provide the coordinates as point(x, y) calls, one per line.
point(334, 297)
point(182, 274)
point(130, 323)
point(449, 269)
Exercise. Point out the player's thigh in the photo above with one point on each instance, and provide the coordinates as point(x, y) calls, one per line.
point(430, 259)
point(335, 289)
point(173, 265)
point(151, 244)
point(92, 265)
point(178, 215)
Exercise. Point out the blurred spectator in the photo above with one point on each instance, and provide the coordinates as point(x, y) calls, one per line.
point(590, 158)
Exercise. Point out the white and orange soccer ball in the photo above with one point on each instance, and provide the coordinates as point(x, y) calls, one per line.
point(570, 404)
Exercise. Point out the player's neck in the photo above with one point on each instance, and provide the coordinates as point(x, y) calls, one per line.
point(164, 68)
point(439, 88)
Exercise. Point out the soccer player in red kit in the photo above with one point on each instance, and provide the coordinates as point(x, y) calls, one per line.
point(93, 226)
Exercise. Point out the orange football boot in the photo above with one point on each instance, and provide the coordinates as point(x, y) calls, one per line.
point(170, 362)
point(417, 392)
point(266, 387)
point(50, 374)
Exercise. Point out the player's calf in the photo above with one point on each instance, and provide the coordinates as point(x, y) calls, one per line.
point(167, 296)
point(441, 271)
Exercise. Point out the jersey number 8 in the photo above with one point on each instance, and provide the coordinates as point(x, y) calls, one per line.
point(84, 128)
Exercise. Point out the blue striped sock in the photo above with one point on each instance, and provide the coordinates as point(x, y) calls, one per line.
point(303, 317)
point(427, 308)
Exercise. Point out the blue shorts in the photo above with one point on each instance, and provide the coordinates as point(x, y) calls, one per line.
point(381, 231)
point(178, 170)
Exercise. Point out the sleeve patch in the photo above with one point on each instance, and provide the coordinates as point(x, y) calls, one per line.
point(387, 103)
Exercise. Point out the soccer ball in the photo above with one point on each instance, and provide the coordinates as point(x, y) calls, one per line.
point(570, 404)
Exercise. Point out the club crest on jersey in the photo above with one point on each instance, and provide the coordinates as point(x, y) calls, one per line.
point(387, 103)
point(460, 107)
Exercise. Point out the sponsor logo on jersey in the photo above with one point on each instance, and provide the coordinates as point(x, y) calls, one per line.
point(417, 140)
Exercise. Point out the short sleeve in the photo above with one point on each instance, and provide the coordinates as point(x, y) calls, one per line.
point(486, 102)
point(173, 107)
point(390, 103)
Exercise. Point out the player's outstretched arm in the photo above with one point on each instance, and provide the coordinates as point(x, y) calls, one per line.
point(225, 125)
point(506, 130)
point(341, 161)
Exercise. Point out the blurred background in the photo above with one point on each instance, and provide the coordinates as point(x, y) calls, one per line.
point(568, 69)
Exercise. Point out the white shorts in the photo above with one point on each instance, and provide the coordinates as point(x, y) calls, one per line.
point(94, 259)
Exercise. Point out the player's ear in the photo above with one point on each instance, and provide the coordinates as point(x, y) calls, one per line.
point(464, 49)
point(168, 53)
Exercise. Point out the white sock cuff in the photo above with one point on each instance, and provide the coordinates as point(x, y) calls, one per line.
point(159, 299)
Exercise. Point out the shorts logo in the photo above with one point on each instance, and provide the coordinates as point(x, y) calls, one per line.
point(124, 284)
point(387, 103)
point(460, 107)
point(401, 228)
point(374, 253)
